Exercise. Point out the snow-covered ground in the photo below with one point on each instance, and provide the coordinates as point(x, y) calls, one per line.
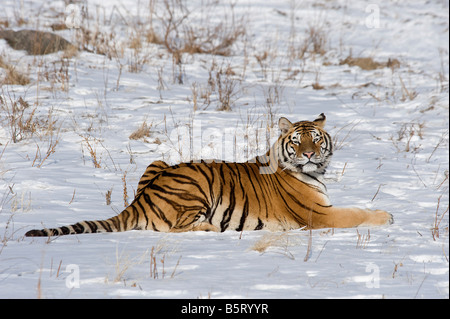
point(73, 153)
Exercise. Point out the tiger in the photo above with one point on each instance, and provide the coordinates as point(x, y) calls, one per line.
point(281, 190)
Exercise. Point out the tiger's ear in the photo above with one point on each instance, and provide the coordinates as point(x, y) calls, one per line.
point(320, 120)
point(284, 124)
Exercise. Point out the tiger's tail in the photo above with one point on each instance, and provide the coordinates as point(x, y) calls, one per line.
point(128, 219)
point(123, 221)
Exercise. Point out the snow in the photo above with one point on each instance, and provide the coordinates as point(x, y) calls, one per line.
point(390, 126)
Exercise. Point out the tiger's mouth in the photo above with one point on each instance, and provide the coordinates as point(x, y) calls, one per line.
point(307, 168)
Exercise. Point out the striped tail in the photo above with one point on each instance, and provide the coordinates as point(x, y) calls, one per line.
point(114, 224)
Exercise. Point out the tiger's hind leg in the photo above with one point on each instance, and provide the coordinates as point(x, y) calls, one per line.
point(151, 172)
point(194, 221)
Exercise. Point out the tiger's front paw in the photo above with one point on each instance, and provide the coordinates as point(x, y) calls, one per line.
point(379, 217)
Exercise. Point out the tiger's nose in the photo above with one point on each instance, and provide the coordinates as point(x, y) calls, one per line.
point(309, 154)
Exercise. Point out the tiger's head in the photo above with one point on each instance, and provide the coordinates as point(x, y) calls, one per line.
point(304, 146)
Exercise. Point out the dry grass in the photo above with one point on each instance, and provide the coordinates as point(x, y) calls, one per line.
point(8, 224)
point(142, 132)
point(56, 74)
point(108, 196)
point(278, 241)
point(154, 258)
point(272, 96)
point(38, 159)
point(226, 89)
point(90, 143)
point(158, 257)
point(125, 190)
point(368, 63)
point(124, 262)
point(222, 89)
point(269, 240)
point(12, 76)
point(180, 36)
point(315, 42)
point(403, 142)
point(18, 116)
point(407, 94)
point(15, 116)
point(343, 134)
point(363, 239)
point(169, 23)
point(438, 217)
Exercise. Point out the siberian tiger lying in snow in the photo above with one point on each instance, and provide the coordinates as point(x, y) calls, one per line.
point(280, 190)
